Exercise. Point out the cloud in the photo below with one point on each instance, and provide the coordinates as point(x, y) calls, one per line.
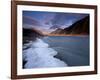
point(30, 21)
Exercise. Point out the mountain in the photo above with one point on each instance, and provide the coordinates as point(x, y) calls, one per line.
point(57, 31)
point(31, 35)
point(54, 27)
point(79, 27)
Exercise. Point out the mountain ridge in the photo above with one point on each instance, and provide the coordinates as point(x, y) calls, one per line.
point(79, 27)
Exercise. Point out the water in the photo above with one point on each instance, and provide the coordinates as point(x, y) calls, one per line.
point(74, 50)
point(57, 51)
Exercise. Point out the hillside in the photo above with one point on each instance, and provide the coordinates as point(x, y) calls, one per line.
point(30, 35)
point(79, 27)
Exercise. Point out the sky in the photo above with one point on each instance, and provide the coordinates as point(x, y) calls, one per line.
point(49, 21)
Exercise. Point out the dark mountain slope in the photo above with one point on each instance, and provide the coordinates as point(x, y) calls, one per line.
point(79, 27)
point(30, 35)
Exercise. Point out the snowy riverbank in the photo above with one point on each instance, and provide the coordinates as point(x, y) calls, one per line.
point(40, 55)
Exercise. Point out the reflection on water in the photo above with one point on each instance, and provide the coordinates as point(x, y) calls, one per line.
point(74, 50)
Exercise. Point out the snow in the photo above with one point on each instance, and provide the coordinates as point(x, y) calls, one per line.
point(40, 55)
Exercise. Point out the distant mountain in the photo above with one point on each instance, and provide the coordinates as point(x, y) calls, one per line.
point(79, 27)
point(57, 31)
point(54, 27)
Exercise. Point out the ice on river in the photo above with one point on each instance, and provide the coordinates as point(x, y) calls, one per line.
point(40, 55)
